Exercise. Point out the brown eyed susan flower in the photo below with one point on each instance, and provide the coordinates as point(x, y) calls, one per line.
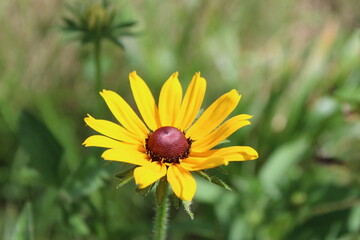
point(169, 141)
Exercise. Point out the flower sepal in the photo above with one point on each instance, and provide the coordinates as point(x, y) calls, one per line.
point(125, 177)
point(214, 180)
point(145, 191)
point(161, 190)
point(187, 208)
point(186, 204)
point(176, 201)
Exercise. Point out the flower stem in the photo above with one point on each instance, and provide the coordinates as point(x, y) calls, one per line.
point(161, 219)
point(97, 51)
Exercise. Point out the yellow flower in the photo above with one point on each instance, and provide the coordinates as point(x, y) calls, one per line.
point(169, 141)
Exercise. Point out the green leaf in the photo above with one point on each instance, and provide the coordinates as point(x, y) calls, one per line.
point(161, 190)
point(69, 23)
point(125, 24)
point(111, 18)
point(72, 30)
point(354, 219)
point(87, 178)
point(24, 228)
point(86, 38)
point(239, 228)
point(274, 173)
point(43, 148)
point(214, 180)
point(79, 224)
point(75, 10)
point(187, 205)
point(116, 41)
point(328, 226)
point(125, 177)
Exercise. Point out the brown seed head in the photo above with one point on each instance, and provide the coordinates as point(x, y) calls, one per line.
point(168, 144)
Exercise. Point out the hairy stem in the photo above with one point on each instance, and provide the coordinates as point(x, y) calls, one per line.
point(161, 220)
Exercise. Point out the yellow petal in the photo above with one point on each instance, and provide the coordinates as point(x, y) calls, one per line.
point(192, 102)
point(112, 130)
point(235, 153)
point(106, 142)
point(239, 153)
point(225, 130)
point(200, 163)
point(144, 101)
point(124, 113)
point(170, 100)
point(148, 174)
point(214, 115)
point(126, 155)
point(182, 182)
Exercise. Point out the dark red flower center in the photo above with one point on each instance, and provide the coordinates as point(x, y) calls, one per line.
point(168, 144)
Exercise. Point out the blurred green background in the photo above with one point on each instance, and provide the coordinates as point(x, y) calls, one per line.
point(296, 64)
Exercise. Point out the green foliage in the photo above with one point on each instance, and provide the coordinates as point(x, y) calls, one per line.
point(273, 173)
point(296, 64)
point(44, 150)
point(24, 228)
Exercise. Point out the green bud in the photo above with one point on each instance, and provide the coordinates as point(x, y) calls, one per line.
point(96, 17)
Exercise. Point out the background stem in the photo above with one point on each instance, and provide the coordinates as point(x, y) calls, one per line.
point(98, 72)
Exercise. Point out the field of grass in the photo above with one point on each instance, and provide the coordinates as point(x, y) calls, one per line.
point(295, 63)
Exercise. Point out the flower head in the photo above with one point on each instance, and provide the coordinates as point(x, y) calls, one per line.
point(169, 141)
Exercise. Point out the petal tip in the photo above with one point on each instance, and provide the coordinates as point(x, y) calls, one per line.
point(133, 74)
point(104, 91)
point(235, 92)
point(198, 74)
point(88, 118)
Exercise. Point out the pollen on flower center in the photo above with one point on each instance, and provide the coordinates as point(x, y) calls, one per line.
point(168, 144)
